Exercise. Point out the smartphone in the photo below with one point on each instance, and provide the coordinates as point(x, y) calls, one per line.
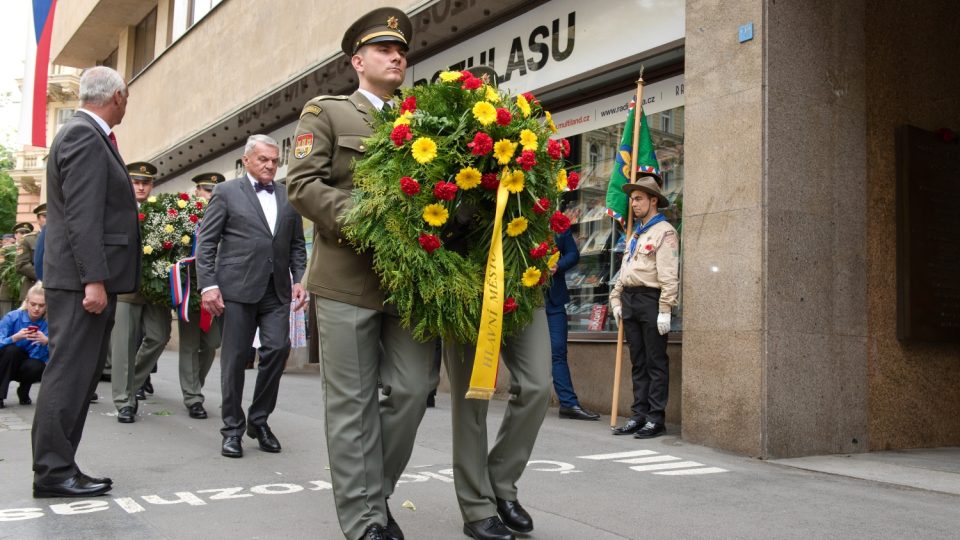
point(33, 328)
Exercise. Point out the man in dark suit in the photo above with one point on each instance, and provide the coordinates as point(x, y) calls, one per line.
point(93, 245)
point(251, 241)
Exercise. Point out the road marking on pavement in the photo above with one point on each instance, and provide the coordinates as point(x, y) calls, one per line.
point(10, 421)
point(665, 466)
point(619, 455)
point(656, 463)
point(702, 470)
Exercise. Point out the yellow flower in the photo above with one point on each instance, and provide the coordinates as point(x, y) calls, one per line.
point(531, 277)
point(424, 150)
point(503, 150)
point(513, 181)
point(181, 203)
point(523, 105)
point(550, 124)
point(552, 261)
point(151, 199)
point(562, 180)
point(147, 250)
point(168, 228)
point(435, 214)
point(516, 227)
point(468, 178)
point(403, 119)
point(450, 76)
point(185, 240)
point(528, 140)
point(490, 94)
point(485, 113)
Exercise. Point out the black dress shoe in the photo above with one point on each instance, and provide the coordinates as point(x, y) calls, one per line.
point(197, 411)
point(373, 532)
point(140, 394)
point(94, 397)
point(650, 430)
point(578, 413)
point(97, 479)
point(77, 485)
point(432, 399)
point(23, 393)
point(127, 415)
point(392, 530)
point(514, 516)
point(488, 529)
point(263, 435)
point(632, 426)
point(148, 386)
point(1, 404)
point(232, 446)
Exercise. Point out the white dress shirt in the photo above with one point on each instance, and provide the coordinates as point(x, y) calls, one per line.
point(374, 99)
point(268, 201)
point(100, 121)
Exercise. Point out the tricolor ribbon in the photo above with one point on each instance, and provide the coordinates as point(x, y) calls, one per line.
point(180, 288)
point(483, 378)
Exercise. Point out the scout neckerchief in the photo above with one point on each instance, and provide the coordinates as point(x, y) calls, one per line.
point(642, 229)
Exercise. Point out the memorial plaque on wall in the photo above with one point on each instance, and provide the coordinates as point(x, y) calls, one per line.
point(928, 236)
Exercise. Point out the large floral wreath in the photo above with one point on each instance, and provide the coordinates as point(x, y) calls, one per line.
point(430, 176)
point(168, 225)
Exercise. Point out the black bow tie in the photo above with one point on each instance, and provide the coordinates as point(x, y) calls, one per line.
point(263, 187)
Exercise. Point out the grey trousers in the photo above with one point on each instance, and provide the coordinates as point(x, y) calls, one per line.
point(156, 334)
point(124, 342)
point(197, 351)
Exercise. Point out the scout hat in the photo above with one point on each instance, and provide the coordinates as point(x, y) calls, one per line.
point(648, 184)
point(208, 179)
point(23, 227)
point(378, 26)
point(40, 210)
point(141, 171)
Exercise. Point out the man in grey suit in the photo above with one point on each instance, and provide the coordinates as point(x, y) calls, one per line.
point(251, 241)
point(92, 253)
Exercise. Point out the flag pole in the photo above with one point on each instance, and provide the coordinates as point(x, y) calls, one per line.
point(633, 178)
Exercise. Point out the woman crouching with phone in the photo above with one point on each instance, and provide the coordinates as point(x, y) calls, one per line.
point(23, 345)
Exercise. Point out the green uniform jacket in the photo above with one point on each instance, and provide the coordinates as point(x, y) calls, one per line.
point(24, 263)
point(319, 183)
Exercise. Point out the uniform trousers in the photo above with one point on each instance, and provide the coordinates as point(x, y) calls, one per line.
point(648, 353)
point(197, 351)
point(370, 437)
point(480, 477)
point(129, 375)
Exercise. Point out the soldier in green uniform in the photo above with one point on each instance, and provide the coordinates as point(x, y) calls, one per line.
point(198, 348)
point(28, 244)
point(369, 439)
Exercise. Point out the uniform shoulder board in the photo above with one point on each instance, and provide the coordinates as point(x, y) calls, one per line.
point(314, 107)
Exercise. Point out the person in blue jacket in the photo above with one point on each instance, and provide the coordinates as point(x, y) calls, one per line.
point(556, 298)
point(23, 345)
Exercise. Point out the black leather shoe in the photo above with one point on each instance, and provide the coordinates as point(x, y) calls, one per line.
point(488, 529)
point(127, 415)
point(373, 532)
point(77, 485)
point(392, 530)
point(632, 426)
point(514, 516)
point(97, 479)
point(148, 386)
point(197, 411)
point(232, 446)
point(140, 394)
point(23, 393)
point(94, 397)
point(1, 404)
point(578, 413)
point(650, 430)
point(263, 435)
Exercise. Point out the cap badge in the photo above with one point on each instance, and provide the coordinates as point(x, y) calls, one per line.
point(393, 23)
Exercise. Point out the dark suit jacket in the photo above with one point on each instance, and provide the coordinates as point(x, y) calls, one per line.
point(236, 251)
point(557, 294)
point(92, 233)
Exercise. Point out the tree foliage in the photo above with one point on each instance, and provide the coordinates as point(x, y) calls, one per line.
point(8, 191)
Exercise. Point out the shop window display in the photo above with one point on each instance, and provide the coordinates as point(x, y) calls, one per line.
point(600, 238)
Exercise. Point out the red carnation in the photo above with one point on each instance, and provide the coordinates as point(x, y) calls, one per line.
point(172, 212)
point(539, 251)
point(527, 159)
point(503, 117)
point(648, 248)
point(481, 145)
point(199, 205)
point(542, 205)
point(543, 278)
point(409, 104)
point(559, 222)
point(566, 147)
point(445, 191)
point(471, 82)
point(530, 98)
point(429, 242)
point(141, 216)
point(509, 305)
point(573, 180)
point(554, 149)
point(184, 196)
point(409, 186)
point(490, 181)
point(194, 218)
point(168, 245)
point(401, 134)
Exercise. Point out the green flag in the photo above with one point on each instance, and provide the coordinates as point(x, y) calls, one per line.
point(646, 162)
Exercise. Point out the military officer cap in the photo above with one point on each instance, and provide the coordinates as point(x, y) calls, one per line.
point(40, 210)
point(208, 179)
point(23, 227)
point(141, 171)
point(380, 25)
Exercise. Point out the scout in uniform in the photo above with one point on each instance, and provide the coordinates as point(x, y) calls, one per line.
point(198, 348)
point(369, 438)
point(641, 300)
point(25, 248)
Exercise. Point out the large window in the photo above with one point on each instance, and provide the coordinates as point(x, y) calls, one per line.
point(187, 13)
point(63, 115)
point(144, 42)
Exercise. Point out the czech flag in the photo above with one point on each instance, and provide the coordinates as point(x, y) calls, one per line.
point(34, 117)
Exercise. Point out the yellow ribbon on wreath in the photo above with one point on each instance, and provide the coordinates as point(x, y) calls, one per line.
point(483, 378)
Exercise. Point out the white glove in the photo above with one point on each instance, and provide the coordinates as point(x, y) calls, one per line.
point(663, 323)
point(617, 313)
